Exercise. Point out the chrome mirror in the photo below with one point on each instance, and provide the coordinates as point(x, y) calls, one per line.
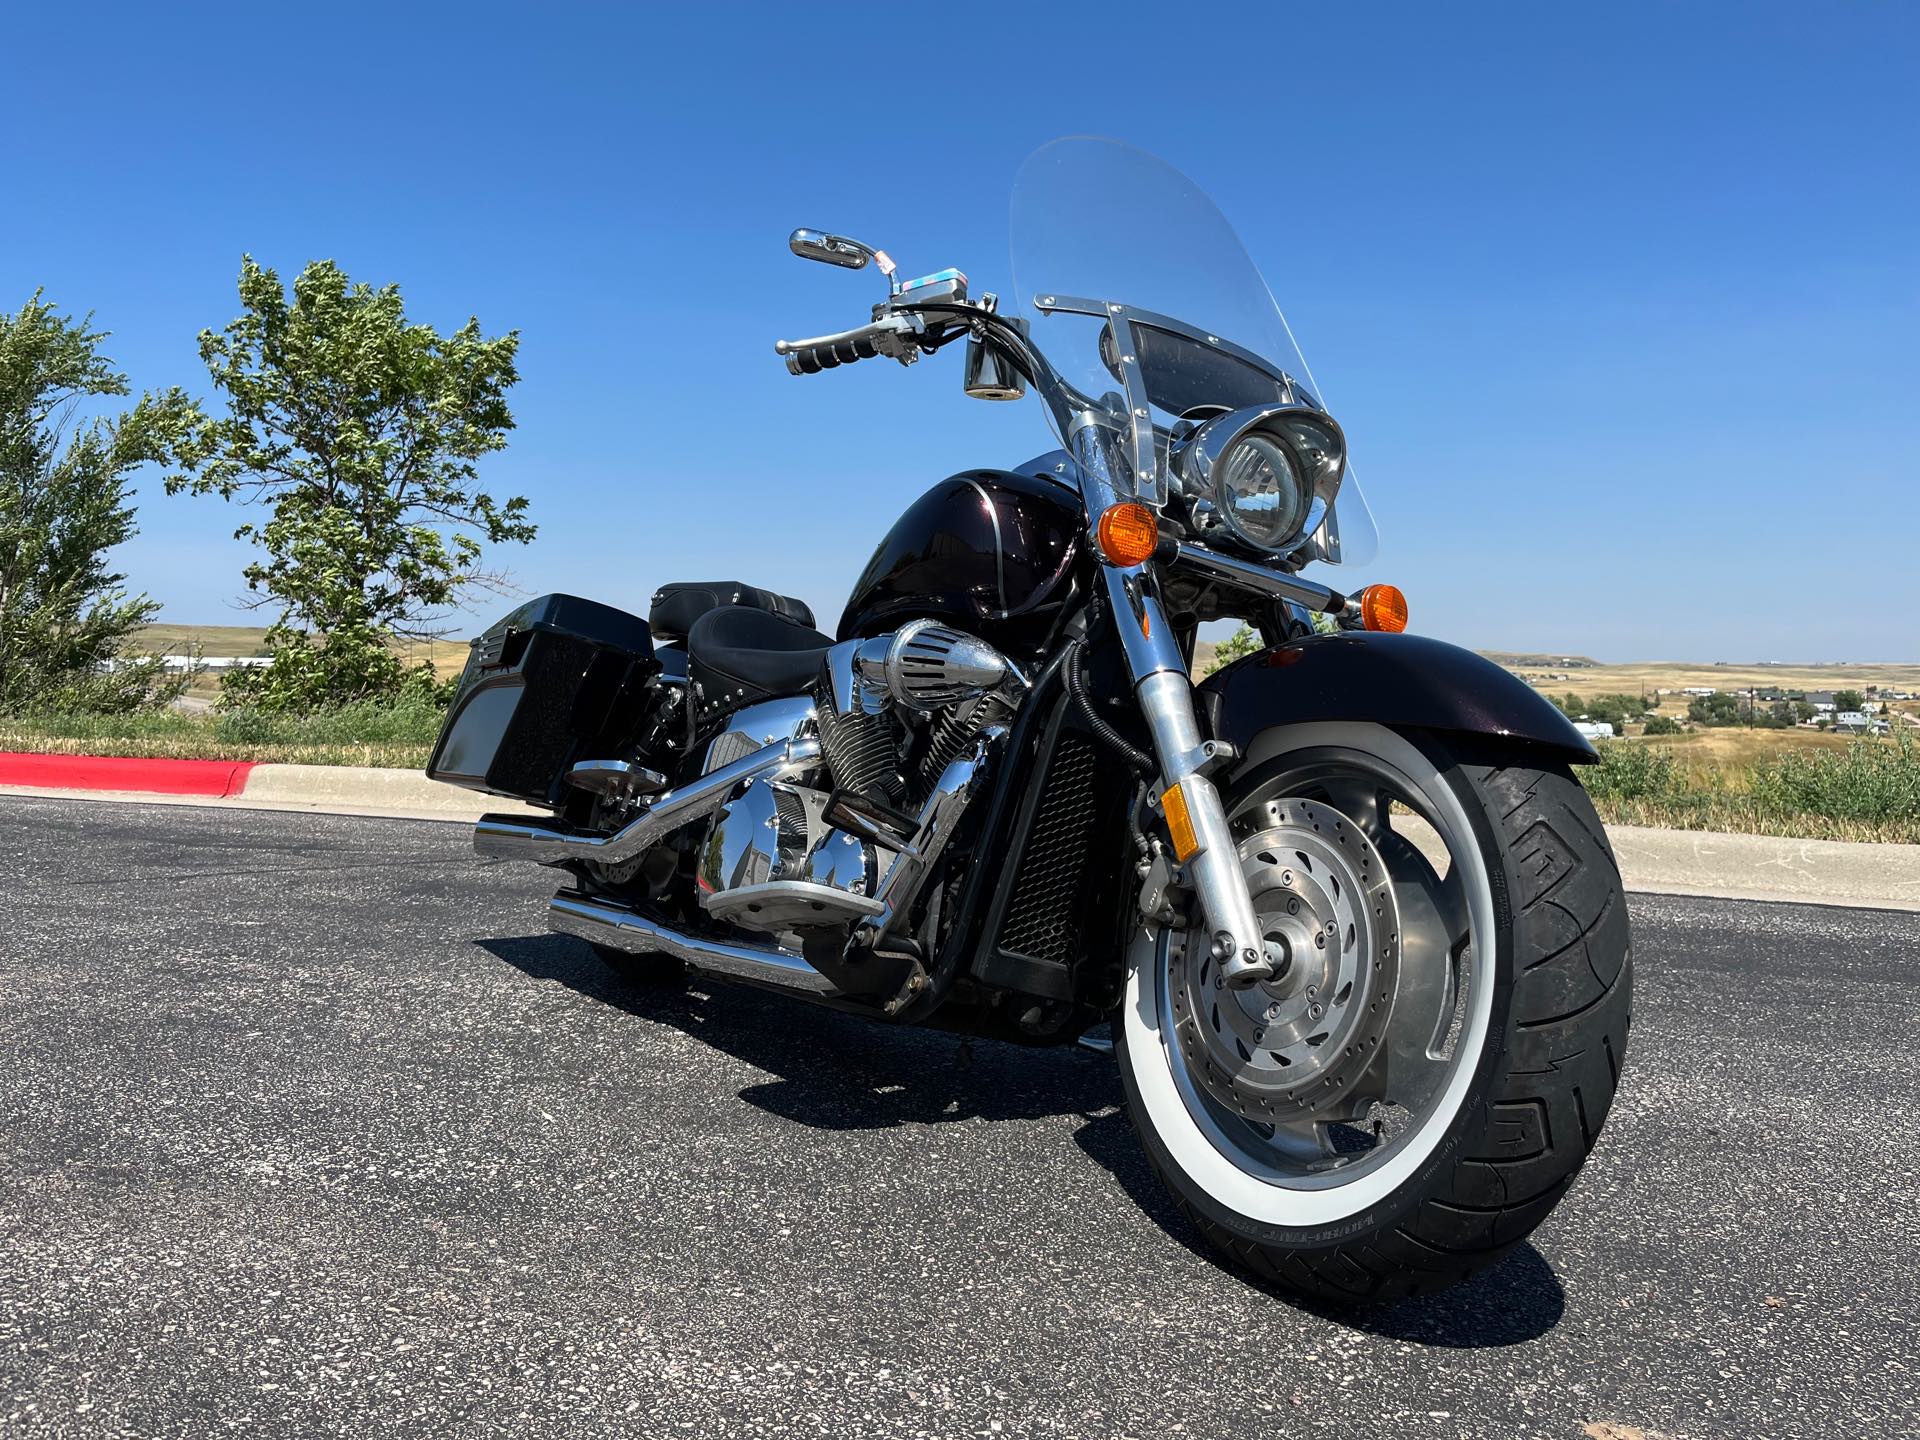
point(837, 250)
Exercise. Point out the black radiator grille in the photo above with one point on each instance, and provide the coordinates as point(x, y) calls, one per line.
point(1043, 917)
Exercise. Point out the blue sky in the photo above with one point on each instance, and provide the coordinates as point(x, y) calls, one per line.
point(1618, 305)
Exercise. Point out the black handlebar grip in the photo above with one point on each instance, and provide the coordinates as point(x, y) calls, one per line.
point(815, 358)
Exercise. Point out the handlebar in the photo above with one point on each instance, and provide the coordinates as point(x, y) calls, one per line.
point(824, 352)
point(905, 331)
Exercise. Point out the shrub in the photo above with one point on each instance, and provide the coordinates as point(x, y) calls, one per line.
point(1872, 780)
point(1664, 725)
point(1630, 771)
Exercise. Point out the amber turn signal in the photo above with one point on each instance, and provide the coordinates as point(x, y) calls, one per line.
point(1383, 607)
point(1128, 533)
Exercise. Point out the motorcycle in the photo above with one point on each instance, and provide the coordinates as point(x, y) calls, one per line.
point(1353, 926)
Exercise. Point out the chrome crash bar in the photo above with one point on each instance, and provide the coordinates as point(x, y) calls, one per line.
point(509, 838)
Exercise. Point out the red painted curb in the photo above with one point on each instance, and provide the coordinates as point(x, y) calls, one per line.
point(112, 772)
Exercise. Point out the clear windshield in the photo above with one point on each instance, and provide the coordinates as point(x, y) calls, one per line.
point(1098, 220)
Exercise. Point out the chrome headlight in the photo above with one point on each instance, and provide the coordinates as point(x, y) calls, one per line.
point(1270, 472)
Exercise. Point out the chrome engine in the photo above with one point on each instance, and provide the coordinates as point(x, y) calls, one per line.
point(894, 714)
point(771, 862)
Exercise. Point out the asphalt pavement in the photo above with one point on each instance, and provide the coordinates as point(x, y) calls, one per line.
point(308, 1128)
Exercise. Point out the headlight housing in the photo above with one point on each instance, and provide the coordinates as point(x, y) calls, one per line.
point(1269, 472)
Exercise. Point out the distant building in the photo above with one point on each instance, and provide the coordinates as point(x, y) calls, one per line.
point(1818, 698)
point(1699, 690)
point(216, 662)
point(1595, 729)
point(1851, 722)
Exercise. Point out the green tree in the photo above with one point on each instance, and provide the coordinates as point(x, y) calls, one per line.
point(1663, 725)
point(66, 622)
point(1243, 641)
point(1717, 709)
point(359, 434)
point(1615, 710)
point(1847, 700)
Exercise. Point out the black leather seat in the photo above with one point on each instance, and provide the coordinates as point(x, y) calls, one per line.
point(738, 655)
point(676, 607)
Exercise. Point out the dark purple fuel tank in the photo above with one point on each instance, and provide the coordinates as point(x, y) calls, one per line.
point(990, 552)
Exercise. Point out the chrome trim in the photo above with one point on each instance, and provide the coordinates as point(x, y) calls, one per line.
point(847, 694)
point(764, 723)
point(1076, 305)
point(511, 839)
point(617, 779)
point(1148, 486)
point(1290, 424)
point(901, 884)
point(601, 923)
point(793, 903)
point(1259, 579)
point(1145, 635)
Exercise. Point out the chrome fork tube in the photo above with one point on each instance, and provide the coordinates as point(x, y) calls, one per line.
point(1166, 702)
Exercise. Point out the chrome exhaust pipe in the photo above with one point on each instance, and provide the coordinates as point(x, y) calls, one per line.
point(604, 923)
point(508, 838)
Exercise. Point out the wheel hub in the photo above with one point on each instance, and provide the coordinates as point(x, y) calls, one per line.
point(1293, 1046)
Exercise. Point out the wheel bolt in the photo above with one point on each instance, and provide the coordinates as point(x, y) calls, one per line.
point(1320, 939)
point(1313, 1012)
point(1273, 1011)
point(1293, 907)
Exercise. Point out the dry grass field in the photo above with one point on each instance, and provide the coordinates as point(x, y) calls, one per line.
point(1588, 678)
point(220, 641)
point(1730, 754)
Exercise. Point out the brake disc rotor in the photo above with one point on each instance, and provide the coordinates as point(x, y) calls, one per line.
point(1292, 1047)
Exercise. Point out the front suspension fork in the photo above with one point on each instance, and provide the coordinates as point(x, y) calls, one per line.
point(1196, 816)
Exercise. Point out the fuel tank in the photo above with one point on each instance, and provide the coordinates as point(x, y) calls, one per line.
point(990, 552)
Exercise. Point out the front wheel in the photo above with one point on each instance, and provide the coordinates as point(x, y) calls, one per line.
point(1417, 1085)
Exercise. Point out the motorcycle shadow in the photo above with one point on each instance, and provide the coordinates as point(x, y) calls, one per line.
point(842, 1072)
point(835, 1071)
point(1518, 1300)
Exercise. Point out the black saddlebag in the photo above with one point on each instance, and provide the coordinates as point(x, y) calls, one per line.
point(557, 681)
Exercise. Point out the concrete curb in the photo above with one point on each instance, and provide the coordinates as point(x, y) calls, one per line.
point(1674, 862)
point(320, 789)
point(214, 778)
point(1767, 867)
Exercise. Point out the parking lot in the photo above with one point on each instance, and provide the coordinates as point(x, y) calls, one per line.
point(307, 1127)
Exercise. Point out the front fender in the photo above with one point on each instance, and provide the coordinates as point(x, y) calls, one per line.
point(1406, 681)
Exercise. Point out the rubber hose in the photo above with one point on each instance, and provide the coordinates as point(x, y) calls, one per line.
point(1077, 688)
